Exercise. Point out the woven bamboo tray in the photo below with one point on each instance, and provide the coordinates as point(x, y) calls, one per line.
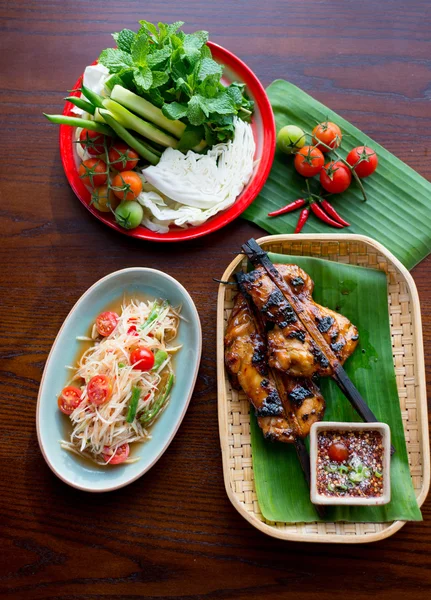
point(406, 331)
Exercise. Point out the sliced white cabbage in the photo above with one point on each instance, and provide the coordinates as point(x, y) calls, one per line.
point(198, 186)
point(94, 79)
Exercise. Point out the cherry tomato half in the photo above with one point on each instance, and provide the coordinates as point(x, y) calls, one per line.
point(142, 358)
point(308, 161)
point(106, 322)
point(127, 185)
point(122, 158)
point(99, 389)
point(328, 133)
point(338, 452)
point(119, 456)
point(335, 177)
point(69, 399)
point(364, 161)
point(93, 141)
point(93, 172)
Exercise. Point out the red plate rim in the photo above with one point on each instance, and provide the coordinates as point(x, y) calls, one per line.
point(217, 221)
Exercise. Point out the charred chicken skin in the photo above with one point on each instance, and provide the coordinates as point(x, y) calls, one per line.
point(285, 407)
point(290, 347)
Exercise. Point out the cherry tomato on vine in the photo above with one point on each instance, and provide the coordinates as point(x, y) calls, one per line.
point(127, 185)
point(117, 457)
point(106, 322)
point(99, 389)
point(93, 141)
point(122, 158)
point(129, 214)
point(335, 177)
point(104, 199)
point(290, 138)
point(329, 133)
point(309, 161)
point(364, 161)
point(69, 399)
point(93, 172)
point(142, 358)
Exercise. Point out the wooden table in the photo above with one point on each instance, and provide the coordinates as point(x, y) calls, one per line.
point(173, 533)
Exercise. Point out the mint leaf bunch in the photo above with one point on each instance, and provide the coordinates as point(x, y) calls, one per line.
point(175, 71)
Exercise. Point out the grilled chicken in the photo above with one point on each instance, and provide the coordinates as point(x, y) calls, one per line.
point(290, 347)
point(285, 408)
point(302, 400)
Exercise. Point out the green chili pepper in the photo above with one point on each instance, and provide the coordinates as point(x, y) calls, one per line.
point(149, 415)
point(367, 473)
point(342, 487)
point(343, 469)
point(378, 474)
point(131, 413)
point(356, 477)
point(331, 487)
point(331, 468)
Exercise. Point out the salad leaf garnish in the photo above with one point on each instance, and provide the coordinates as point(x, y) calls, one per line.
point(175, 71)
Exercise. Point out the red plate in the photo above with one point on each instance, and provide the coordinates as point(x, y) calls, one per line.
point(264, 134)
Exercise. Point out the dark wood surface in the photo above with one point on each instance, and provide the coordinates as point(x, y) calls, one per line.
point(174, 534)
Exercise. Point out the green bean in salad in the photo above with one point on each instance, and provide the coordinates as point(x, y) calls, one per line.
point(149, 415)
point(129, 138)
point(78, 122)
point(81, 103)
point(131, 413)
point(92, 97)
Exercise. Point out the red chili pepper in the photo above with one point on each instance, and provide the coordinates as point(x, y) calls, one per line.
point(302, 219)
point(320, 213)
point(288, 208)
point(333, 213)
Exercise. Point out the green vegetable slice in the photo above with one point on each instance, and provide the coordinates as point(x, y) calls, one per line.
point(131, 413)
point(159, 358)
point(130, 121)
point(149, 415)
point(145, 109)
point(157, 311)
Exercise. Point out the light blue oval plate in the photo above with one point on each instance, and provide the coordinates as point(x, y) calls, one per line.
point(50, 421)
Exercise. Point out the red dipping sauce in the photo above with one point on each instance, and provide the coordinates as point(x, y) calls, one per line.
point(350, 463)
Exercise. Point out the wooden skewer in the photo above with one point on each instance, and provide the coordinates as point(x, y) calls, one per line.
point(300, 447)
point(259, 257)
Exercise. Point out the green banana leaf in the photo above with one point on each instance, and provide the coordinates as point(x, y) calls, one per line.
point(398, 210)
point(361, 295)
